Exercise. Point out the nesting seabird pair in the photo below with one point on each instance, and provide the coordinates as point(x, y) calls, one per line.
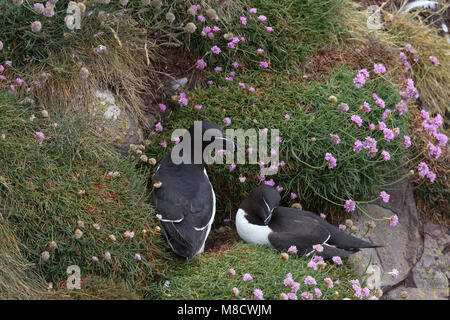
point(185, 203)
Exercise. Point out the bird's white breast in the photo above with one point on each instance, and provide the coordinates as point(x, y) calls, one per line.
point(251, 233)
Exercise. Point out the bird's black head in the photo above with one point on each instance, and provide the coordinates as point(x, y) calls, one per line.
point(201, 138)
point(261, 203)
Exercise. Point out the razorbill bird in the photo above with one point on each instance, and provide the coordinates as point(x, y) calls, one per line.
point(183, 196)
point(260, 220)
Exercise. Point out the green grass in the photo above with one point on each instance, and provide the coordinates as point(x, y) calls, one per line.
point(312, 115)
point(40, 197)
point(206, 276)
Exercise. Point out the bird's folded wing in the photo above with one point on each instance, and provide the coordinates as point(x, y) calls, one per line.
point(300, 235)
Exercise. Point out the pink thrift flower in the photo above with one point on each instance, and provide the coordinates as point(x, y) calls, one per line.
point(235, 292)
point(386, 155)
point(163, 144)
point(201, 64)
point(371, 127)
point(262, 18)
point(293, 195)
point(36, 26)
point(306, 296)
point(386, 114)
point(335, 138)
point(337, 260)
point(215, 50)
point(162, 107)
point(332, 162)
point(269, 183)
point(287, 116)
point(253, 10)
point(317, 292)
point(384, 196)
point(247, 277)
point(318, 247)
point(40, 135)
point(350, 205)
point(342, 108)
point(328, 283)
point(431, 175)
point(366, 107)
point(401, 107)
point(201, 18)
point(227, 121)
point(183, 100)
point(159, 127)
point(434, 60)
point(310, 281)
point(312, 264)
point(137, 257)
point(260, 51)
point(94, 258)
point(235, 64)
point(198, 107)
point(357, 146)
point(258, 294)
point(284, 296)
point(379, 68)
point(356, 119)
point(292, 250)
point(264, 64)
point(269, 29)
point(423, 169)
point(388, 134)
point(393, 221)
point(231, 272)
point(251, 89)
point(292, 296)
point(243, 20)
point(406, 141)
point(218, 69)
point(380, 102)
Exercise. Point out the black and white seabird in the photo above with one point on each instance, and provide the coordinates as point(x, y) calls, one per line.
point(183, 197)
point(260, 220)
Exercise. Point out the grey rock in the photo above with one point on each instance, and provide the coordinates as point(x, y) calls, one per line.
point(179, 83)
point(114, 120)
point(408, 293)
point(402, 245)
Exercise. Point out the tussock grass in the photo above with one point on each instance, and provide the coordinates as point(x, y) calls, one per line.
point(18, 279)
point(206, 277)
point(47, 188)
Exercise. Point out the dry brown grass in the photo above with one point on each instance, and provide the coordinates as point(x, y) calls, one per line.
point(17, 279)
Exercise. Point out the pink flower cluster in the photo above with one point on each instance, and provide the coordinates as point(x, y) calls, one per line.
point(360, 78)
point(350, 205)
point(183, 100)
point(359, 292)
point(424, 171)
point(332, 162)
